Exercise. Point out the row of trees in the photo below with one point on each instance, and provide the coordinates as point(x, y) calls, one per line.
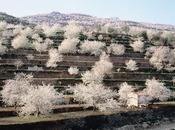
point(39, 36)
point(30, 99)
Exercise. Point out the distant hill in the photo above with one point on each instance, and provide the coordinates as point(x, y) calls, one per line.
point(57, 17)
point(12, 20)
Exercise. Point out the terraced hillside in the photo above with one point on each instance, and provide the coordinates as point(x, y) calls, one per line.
point(60, 77)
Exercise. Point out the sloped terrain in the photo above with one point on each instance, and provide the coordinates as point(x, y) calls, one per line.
point(60, 77)
point(87, 20)
point(11, 19)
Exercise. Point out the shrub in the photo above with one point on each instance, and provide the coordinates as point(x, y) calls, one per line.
point(95, 95)
point(37, 38)
point(73, 70)
point(14, 89)
point(51, 30)
point(36, 102)
point(54, 57)
point(92, 47)
point(161, 57)
point(138, 46)
point(99, 70)
point(68, 46)
point(123, 92)
point(100, 37)
point(20, 41)
point(18, 63)
point(156, 90)
point(149, 51)
point(72, 30)
point(116, 49)
point(42, 47)
point(131, 65)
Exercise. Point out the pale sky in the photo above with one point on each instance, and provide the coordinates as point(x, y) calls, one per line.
point(154, 11)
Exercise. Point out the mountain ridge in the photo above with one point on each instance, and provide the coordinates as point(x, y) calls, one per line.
point(12, 19)
point(84, 19)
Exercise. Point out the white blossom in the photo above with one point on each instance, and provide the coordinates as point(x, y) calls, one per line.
point(37, 38)
point(73, 70)
point(39, 100)
point(138, 46)
point(14, 89)
point(20, 41)
point(72, 30)
point(95, 95)
point(92, 47)
point(162, 57)
point(131, 65)
point(51, 30)
point(68, 46)
point(100, 37)
point(42, 47)
point(116, 49)
point(54, 58)
point(156, 90)
point(123, 92)
point(18, 63)
point(99, 70)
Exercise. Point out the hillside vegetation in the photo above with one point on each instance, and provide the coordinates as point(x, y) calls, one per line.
point(70, 68)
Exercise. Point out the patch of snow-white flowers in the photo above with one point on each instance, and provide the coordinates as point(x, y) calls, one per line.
point(99, 70)
point(37, 38)
point(163, 57)
point(54, 58)
point(156, 90)
point(100, 37)
point(18, 63)
point(42, 47)
point(92, 92)
point(131, 65)
point(72, 30)
point(20, 41)
point(95, 95)
point(149, 51)
point(138, 46)
point(92, 47)
point(68, 46)
point(30, 99)
point(116, 49)
point(73, 70)
point(51, 30)
point(14, 89)
point(123, 92)
point(39, 100)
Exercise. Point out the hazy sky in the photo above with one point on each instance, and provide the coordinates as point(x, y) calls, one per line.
point(155, 11)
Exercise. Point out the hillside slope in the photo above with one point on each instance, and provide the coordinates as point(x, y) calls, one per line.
point(11, 19)
point(87, 20)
